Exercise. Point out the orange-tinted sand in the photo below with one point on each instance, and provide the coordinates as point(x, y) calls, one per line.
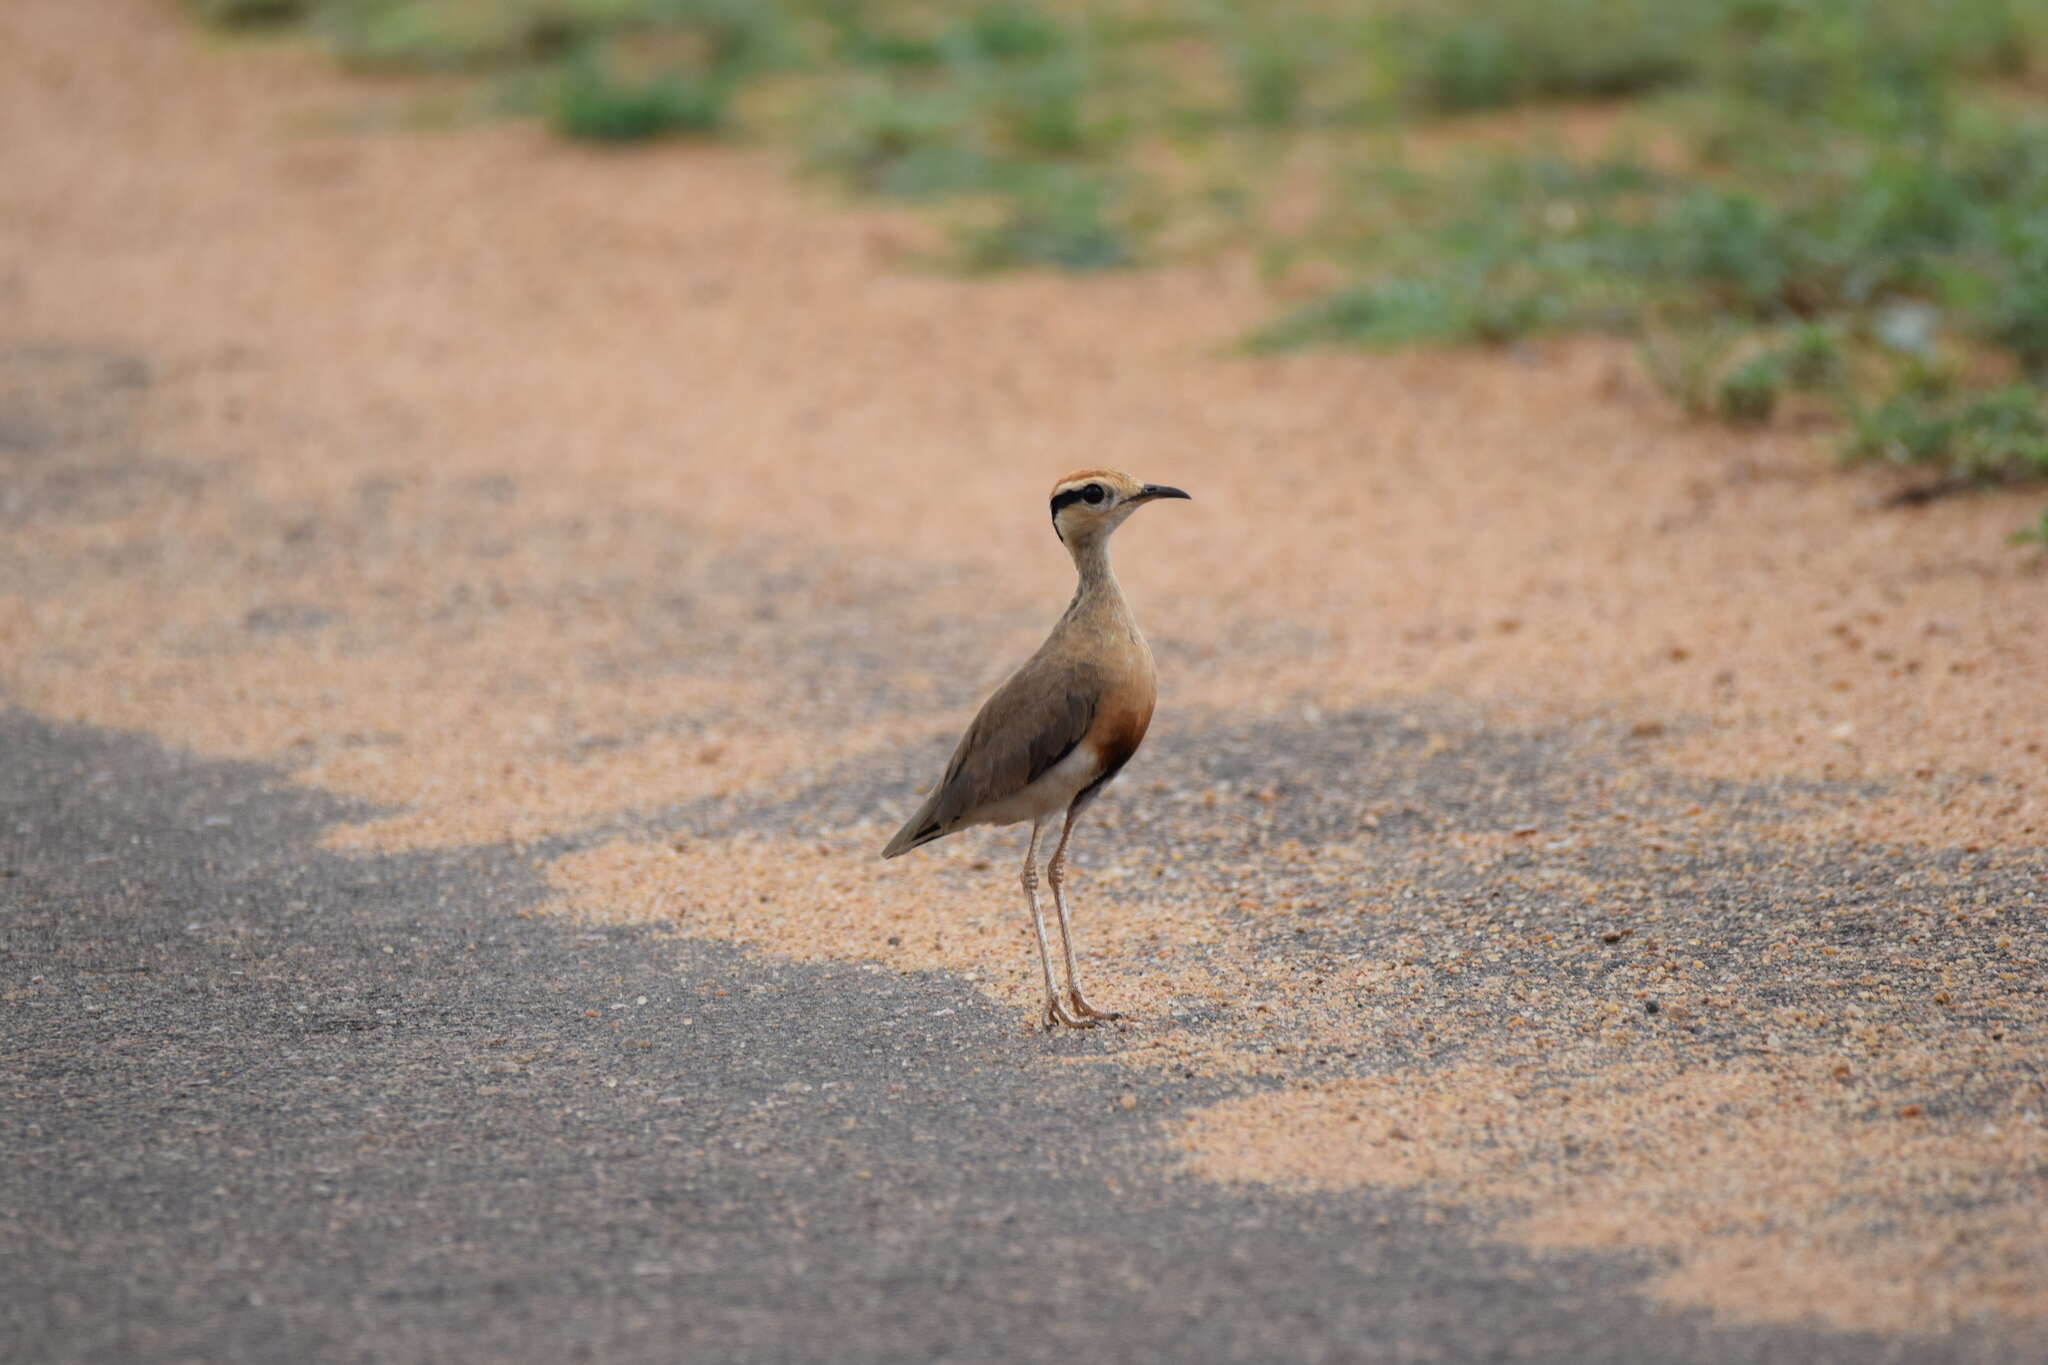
point(1770, 1188)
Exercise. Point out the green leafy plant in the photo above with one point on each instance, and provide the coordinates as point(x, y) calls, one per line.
point(1813, 360)
point(1748, 394)
point(1053, 219)
point(905, 142)
point(250, 13)
point(598, 104)
point(1999, 435)
point(1466, 55)
point(1010, 30)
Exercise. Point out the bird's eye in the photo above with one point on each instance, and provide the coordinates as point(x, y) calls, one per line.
point(1092, 493)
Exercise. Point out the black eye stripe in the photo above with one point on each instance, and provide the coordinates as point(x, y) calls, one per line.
point(1074, 495)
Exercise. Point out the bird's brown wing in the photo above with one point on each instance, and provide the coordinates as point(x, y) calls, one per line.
point(1032, 722)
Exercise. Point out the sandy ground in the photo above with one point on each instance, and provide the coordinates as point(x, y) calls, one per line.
point(1539, 775)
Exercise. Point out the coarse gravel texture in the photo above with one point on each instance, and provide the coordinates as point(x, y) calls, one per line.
point(1582, 895)
point(269, 1100)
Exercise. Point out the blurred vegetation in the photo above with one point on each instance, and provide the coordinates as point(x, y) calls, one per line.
point(1794, 206)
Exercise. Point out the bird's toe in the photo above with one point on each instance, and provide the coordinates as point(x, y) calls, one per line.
point(1082, 1009)
point(1057, 1014)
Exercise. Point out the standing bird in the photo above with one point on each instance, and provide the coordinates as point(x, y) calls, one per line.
point(1051, 737)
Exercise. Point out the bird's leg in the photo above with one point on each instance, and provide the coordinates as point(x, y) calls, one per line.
point(1056, 874)
point(1055, 1011)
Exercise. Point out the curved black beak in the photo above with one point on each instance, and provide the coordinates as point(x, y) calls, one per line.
point(1158, 490)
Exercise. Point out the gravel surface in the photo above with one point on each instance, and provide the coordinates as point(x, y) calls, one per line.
point(271, 1101)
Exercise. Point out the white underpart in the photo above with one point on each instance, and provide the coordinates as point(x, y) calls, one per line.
point(1051, 794)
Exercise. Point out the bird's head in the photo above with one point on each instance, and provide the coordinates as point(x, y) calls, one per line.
point(1090, 503)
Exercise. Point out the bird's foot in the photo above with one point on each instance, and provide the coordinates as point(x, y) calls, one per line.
point(1056, 1014)
point(1083, 1010)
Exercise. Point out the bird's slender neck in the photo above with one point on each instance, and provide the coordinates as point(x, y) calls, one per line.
point(1091, 559)
point(1098, 579)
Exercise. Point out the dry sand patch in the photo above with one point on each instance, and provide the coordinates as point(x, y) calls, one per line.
point(689, 332)
point(1805, 1079)
point(1776, 1190)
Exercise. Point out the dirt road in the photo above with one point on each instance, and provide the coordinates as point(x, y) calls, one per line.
point(471, 608)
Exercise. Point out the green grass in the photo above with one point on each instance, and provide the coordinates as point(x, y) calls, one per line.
point(1065, 220)
point(250, 13)
point(1980, 436)
point(595, 102)
point(1828, 199)
point(1463, 55)
point(1858, 203)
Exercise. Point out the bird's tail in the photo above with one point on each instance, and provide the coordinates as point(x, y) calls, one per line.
point(920, 828)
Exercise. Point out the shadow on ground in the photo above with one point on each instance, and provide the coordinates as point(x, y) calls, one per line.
point(267, 1100)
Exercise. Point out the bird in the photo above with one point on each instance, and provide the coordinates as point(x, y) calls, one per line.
point(1045, 743)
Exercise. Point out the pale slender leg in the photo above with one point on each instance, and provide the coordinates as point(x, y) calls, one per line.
point(1056, 875)
point(1055, 1012)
